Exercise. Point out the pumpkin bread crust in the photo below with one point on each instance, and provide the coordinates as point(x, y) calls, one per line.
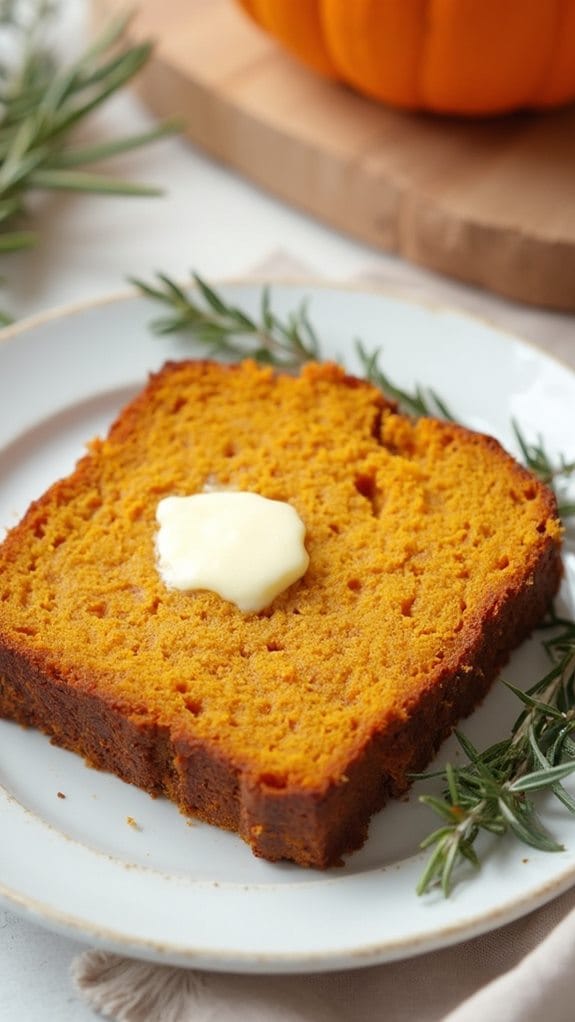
point(432, 555)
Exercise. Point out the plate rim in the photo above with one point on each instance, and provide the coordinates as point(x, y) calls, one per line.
point(286, 962)
point(385, 289)
point(450, 934)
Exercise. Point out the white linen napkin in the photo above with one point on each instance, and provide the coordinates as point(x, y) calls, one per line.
point(521, 972)
point(542, 985)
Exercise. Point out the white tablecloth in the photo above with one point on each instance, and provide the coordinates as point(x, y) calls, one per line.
point(219, 225)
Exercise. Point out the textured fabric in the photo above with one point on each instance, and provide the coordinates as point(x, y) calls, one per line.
point(131, 991)
point(542, 985)
point(522, 972)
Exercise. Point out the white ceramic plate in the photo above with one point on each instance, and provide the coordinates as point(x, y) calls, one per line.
point(191, 894)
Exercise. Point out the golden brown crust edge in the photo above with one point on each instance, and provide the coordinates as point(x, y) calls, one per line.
point(310, 827)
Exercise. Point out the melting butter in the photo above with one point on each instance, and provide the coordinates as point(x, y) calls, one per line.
point(244, 547)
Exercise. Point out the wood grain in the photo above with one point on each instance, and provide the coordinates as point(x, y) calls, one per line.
point(490, 202)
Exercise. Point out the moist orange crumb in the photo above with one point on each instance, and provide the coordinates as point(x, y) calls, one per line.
point(432, 554)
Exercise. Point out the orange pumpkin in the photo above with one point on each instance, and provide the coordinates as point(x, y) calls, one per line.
point(449, 56)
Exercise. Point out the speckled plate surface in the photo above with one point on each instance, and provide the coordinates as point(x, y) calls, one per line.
point(87, 855)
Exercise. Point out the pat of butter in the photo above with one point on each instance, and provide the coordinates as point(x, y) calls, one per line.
point(244, 547)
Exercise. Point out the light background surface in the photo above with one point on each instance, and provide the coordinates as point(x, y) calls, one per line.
point(218, 224)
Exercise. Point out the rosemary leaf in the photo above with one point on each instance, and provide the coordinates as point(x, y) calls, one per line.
point(420, 403)
point(535, 704)
point(543, 778)
point(554, 474)
point(448, 863)
point(104, 150)
point(16, 240)
point(212, 299)
point(436, 836)
point(498, 783)
point(526, 826)
point(77, 181)
point(434, 865)
point(110, 34)
point(41, 104)
point(441, 807)
point(295, 341)
point(227, 331)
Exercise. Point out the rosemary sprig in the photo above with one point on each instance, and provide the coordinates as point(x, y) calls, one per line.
point(492, 791)
point(421, 402)
point(227, 331)
point(41, 105)
point(539, 462)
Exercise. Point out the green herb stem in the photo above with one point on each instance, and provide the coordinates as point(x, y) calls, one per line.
point(492, 792)
point(228, 332)
point(41, 105)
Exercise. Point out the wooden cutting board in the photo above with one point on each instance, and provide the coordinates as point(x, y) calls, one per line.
point(490, 202)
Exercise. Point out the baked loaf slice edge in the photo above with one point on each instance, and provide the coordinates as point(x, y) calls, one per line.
point(432, 556)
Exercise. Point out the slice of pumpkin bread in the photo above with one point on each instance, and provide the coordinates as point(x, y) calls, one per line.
point(432, 555)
